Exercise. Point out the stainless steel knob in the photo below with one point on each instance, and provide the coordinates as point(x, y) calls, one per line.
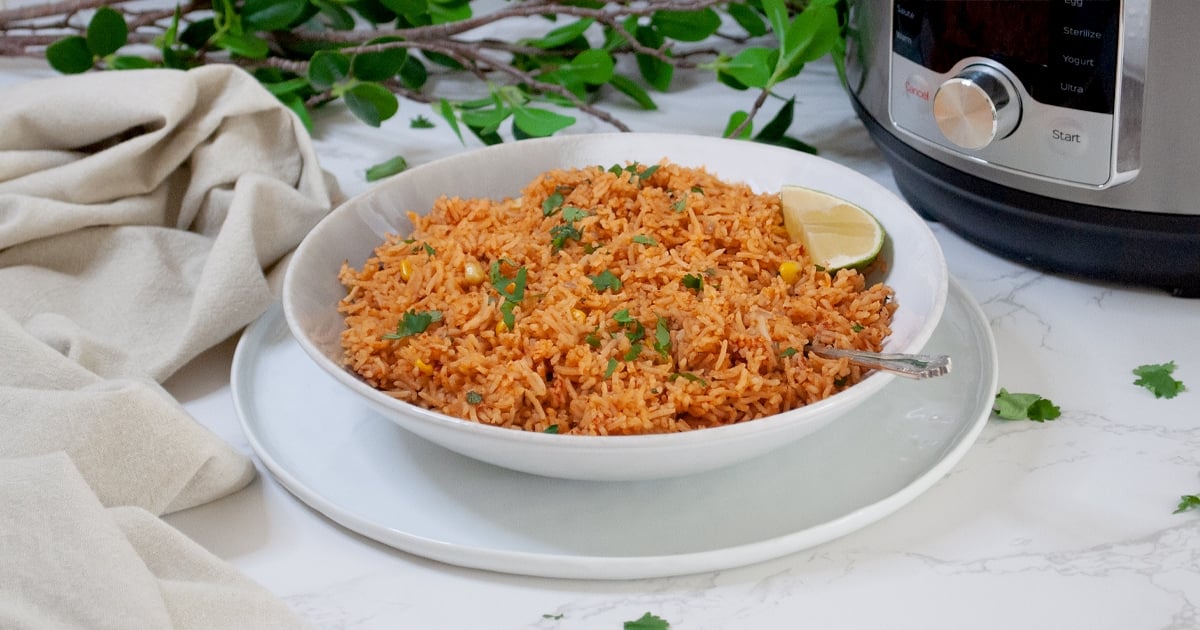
point(977, 107)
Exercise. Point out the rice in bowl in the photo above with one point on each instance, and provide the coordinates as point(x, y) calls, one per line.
point(632, 300)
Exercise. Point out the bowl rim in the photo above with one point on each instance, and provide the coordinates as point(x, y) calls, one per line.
point(404, 412)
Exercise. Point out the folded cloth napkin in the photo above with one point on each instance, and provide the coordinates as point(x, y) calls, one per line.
point(143, 215)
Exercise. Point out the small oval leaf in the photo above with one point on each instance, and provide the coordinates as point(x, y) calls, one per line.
point(687, 26)
point(327, 68)
point(70, 55)
point(387, 168)
point(371, 102)
point(539, 123)
point(106, 32)
point(594, 66)
point(378, 65)
point(271, 15)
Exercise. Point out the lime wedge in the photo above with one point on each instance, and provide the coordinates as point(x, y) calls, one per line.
point(836, 233)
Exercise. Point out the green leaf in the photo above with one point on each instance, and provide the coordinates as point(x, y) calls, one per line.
point(130, 62)
point(70, 55)
point(655, 71)
point(594, 66)
point(379, 65)
point(1013, 406)
point(198, 33)
point(788, 352)
point(789, 142)
point(777, 15)
point(629, 88)
point(686, 26)
point(327, 68)
point(271, 15)
point(735, 120)
point(662, 338)
point(540, 123)
point(420, 122)
point(387, 168)
point(562, 35)
point(642, 239)
point(694, 282)
point(243, 44)
point(612, 367)
point(551, 429)
point(446, 11)
point(486, 118)
point(778, 126)
point(296, 104)
point(446, 110)
point(747, 18)
point(407, 7)
point(371, 102)
point(474, 398)
point(811, 35)
point(1188, 502)
point(446, 61)
point(288, 86)
point(752, 67)
point(553, 202)
point(688, 376)
point(413, 74)
point(372, 11)
point(107, 32)
point(336, 16)
point(1157, 379)
point(414, 323)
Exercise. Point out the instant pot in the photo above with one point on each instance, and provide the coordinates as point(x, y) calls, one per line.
point(1060, 133)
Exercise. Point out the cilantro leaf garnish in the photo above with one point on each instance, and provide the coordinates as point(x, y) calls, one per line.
point(552, 429)
point(642, 239)
point(1010, 406)
point(420, 122)
point(1157, 378)
point(694, 282)
point(635, 349)
point(511, 289)
point(414, 323)
point(552, 203)
point(571, 214)
point(650, 170)
point(662, 338)
point(560, 234)
point(622, 316)
point(612, 367)
point(606, 280)
point(474, 398)
point(427, 248)
point(681, 205)
point(788, 352)
point(857, 328)
point(1188, 502)
point(593, 339)
point(648, 622)
point(698, 190)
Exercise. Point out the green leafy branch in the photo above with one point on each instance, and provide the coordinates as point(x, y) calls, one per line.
point(372, 54)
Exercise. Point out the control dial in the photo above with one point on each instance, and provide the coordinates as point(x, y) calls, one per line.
point(976, 107)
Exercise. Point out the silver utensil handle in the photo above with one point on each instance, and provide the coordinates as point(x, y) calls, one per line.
point(909, 365)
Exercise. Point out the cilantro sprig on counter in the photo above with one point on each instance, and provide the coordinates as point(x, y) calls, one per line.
point(1188, 502)
point(648, 622)
point(1012, 406)
point(1157, 379)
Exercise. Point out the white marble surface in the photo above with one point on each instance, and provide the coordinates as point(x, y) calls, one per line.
point(1066, 524)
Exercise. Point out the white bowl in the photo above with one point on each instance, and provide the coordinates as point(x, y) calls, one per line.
point(916, 269)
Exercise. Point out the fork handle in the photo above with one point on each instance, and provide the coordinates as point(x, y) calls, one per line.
point(909, 365)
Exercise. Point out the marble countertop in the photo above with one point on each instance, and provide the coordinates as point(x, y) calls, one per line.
point(1066, 524)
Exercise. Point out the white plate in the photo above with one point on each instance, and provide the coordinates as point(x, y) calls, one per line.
point(342, 458)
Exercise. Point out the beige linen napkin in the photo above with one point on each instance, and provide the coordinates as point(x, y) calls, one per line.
point(141, 214)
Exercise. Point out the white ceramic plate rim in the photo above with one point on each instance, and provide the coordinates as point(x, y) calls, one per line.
point(635, 567)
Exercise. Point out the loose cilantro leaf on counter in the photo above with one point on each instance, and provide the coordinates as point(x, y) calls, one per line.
point(648, 622)
point(1157, 378)
point(1188, 502)
point(420, 122)
point(1011, 406)
point(414, 323)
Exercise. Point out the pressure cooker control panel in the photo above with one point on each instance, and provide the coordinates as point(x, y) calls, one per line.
point(1025, 85)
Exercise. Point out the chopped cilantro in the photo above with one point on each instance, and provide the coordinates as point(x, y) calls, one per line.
point(642, 239)
point(648, 622)
point(688, 376)
point(1188, 502)
point(552, 203)
point(612, 367)
point(560, 234)
point(788, 352)
point(474, 398)
point(420, 122)
point(662, 338)
point(552, 429)
point(1010, 406)
point(593, 339)
point(698, 190)
point(1157, 378)
point(512, 296)
point(857, 327)
point(635, 349)
point(616, 169)
point(622, 316)
point(548, 615)
point(681, 205)
point(635, 332)
point(425, 247)
point(646, 174)
point(591, 247)
point(693, 282)
point(606, 280)
point(571, 214)
point(414, 323)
